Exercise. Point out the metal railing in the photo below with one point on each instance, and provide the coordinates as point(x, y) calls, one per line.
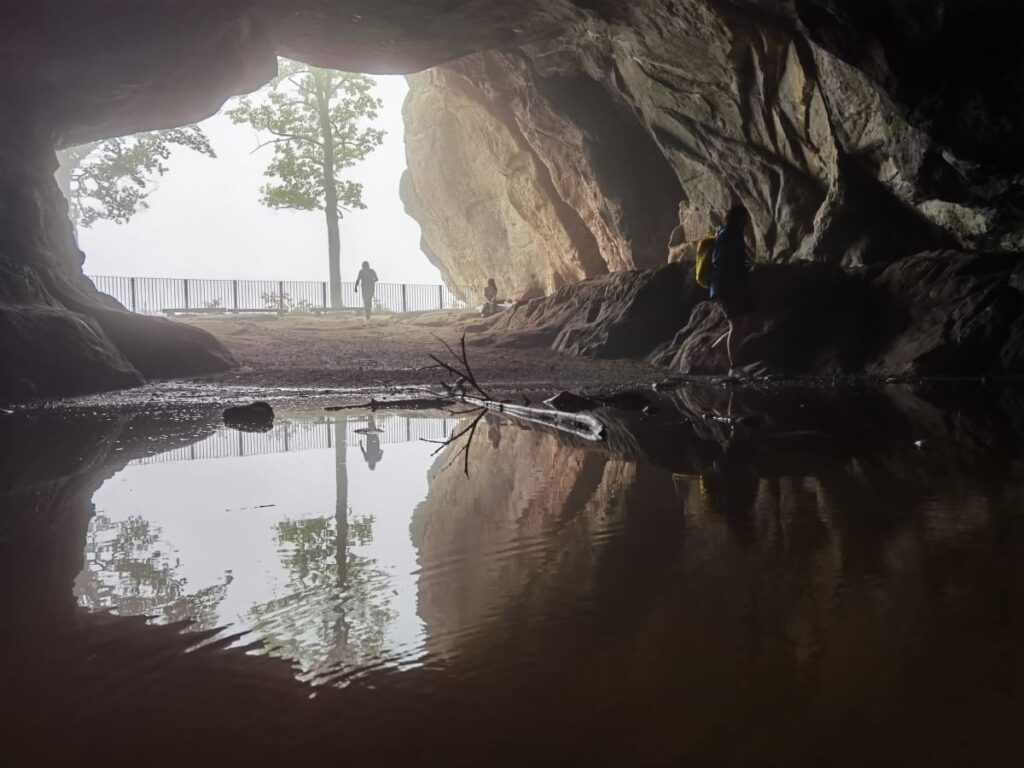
point(160, 295)
point(288, 437)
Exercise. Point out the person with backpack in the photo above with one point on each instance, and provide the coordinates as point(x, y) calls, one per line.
point(368, 278)
point(722, 267)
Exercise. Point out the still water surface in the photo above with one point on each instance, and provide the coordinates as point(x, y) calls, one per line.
point(766, 595)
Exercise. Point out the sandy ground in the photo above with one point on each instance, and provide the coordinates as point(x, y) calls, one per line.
point(391, 351)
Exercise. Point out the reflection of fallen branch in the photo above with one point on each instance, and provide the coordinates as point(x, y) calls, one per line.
point(464, 450)
point(580, 424)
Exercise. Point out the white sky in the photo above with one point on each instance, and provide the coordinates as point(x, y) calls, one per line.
point(205, 218)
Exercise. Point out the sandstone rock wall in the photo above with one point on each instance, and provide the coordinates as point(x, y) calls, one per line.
point(537, 184)
point(754, 104)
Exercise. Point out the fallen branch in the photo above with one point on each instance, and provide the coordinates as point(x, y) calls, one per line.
point(439, 402)
point(464, 375)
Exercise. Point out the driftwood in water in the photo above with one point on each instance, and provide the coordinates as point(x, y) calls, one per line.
point(409, 403)
point(582, 425)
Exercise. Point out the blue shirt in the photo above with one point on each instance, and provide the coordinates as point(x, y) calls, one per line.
point(730, 261)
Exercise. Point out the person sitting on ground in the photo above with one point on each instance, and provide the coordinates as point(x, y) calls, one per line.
point(730, 286)
point(368, 278)
point(490, 298)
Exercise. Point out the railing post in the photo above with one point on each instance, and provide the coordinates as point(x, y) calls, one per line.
point(234, 293)
point(323, 293)
point(280, 295)
point(186, 293)
point(440, 297)
point(405, 303)
point(131, 288)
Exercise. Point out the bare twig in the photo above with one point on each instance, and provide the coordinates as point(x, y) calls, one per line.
point(468, 432)
point(464, 450)
point(465, 373)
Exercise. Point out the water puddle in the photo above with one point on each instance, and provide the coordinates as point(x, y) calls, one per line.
point(298, 537)
point(779, 579)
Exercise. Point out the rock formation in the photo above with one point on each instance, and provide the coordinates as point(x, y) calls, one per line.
point(537, 184)
point(766, 103)
point(944, 313)
point(857, 133)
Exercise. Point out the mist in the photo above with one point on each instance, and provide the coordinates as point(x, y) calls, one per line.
point(205, 220)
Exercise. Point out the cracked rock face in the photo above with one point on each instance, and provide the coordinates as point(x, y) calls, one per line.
point(564, 139)
point(805, 112)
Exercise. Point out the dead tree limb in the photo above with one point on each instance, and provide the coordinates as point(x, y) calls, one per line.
point(464, 375)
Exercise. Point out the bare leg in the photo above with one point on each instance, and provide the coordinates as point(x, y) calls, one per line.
point(729, 345)
point(739, 329)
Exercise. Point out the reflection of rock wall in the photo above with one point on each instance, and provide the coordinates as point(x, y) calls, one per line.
point(527, 519)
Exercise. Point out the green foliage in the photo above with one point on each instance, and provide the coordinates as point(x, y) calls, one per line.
point(130, 568)
point(110, 179)
point(315, 120)
point(331, 612)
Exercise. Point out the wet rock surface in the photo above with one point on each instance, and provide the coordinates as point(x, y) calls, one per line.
point(255, 417)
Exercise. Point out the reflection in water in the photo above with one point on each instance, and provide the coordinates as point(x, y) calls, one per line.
point(802, 585)
point(372, 452)
point(329, 592)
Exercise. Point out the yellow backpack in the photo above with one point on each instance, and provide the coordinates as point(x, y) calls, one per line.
point(704, 270)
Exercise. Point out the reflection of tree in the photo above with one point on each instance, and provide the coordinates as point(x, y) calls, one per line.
point(329, 615)
point(129, 568)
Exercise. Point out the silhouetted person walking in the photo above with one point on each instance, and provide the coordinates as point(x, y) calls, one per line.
point(368, 278)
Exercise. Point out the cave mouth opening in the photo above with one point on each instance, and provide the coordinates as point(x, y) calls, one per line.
point(209, 216)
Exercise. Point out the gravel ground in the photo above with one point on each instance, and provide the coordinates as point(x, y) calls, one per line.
point(391, 351)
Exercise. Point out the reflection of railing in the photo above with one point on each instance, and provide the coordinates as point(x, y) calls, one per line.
point(154, 295)
point(290, 436)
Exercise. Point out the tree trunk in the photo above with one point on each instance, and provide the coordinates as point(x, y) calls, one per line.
point(339, 650)
point(330, 198)
point(341, 498)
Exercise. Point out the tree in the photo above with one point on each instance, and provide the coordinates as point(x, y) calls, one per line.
point(110, 179)
point(316, 121)
point(129, 567)
point(331, 613)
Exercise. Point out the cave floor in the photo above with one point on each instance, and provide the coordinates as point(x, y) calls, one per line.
point(392, 350)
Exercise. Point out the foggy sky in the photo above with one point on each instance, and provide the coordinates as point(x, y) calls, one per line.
point(205, 218)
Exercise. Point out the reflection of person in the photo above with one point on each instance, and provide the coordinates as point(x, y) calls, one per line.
point(493, 429)
point(368, 278)
point(729, 485)
point(372, 453)
point(490, 298)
